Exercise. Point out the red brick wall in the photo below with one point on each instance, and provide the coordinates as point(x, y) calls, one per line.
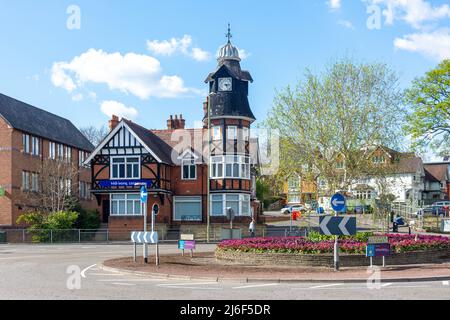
point(5, 172)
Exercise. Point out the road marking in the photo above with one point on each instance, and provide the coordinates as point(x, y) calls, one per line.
point(187, 284)
point(327, 286)
point(107, 274)
point(257, 286)
point(134, 280)
point(445, 283)
point(386, 285)
point(191, 288)
point(83, 273)
point(123, 284)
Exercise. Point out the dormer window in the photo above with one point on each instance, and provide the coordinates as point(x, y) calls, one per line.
point(378, 159)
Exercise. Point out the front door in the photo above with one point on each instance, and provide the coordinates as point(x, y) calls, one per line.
point(105, 213)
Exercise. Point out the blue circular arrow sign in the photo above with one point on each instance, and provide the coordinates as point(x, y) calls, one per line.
point(144, 194)
point(338, 202)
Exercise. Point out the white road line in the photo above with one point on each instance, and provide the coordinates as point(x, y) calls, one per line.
point(123, 284)
point(131, 280)
point(445, 283)
point(386, 285)
point(107, 274)
point(191, 288)
point(83, 273)
point(187, 284)
point(326, 286)
point(257, 286)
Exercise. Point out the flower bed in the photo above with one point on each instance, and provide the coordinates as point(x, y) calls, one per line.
point(304, 246)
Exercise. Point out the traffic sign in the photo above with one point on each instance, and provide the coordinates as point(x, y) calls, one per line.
point(378, 250)
point(144, 194)
point(378, 240)
point(186, 244)
point(337, 226)
point(338, 202)
point(144, 237)
point(155, 209)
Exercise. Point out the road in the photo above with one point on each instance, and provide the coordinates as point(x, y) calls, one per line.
point(40, 272)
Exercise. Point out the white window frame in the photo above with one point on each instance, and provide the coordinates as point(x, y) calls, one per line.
point(52, 150)
point(26, 143)
point(126, 171)
point(216, 132)
point(126, 205)
point(35, 146)
point(25, 180)
point(35, 182)
point(60, 153)
point(242, 198)
point(191, 163)
point(243, 163)
point(232, 132)
point(68, 154)
point(190, 199)
point(246, 133)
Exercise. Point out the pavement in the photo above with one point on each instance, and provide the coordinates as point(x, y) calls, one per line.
point(74, 272)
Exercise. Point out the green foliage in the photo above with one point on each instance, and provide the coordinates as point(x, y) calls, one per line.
point(62, 220)
point(360, 236)
point(429, 120)
point(88, 219)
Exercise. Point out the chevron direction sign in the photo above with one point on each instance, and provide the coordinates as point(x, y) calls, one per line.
point(337, 226)
point(144, 237)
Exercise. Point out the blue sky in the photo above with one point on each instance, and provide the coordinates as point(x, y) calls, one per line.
point(122, 57)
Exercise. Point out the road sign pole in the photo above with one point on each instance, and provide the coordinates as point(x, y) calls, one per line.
point(336, 250)
point(145, 230)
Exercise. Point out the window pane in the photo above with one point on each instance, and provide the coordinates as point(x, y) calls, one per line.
point(185, 172)
point(114, 207)
point(132, 160)
point(115, 171)
point(137, 207)
point(121, 171)
point(118, 197)
point(130, 207)
point(121, 207)
point(192, 172)
point(136, 171)
point(188, 209)
point(236, 170)
point(134, 197)
point(129, 170)
point(228, 170)
point(118, 160)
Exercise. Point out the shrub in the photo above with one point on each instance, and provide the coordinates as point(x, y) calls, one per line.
point(88, 219)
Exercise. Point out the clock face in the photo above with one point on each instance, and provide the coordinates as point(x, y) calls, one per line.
point(225, 84)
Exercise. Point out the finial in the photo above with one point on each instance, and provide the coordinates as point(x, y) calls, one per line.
point(229, 35)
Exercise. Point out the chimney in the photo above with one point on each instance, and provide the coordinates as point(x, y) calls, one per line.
point(113, 122)
point(177, 123)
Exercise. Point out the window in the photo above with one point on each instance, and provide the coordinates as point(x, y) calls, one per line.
point(240, 203)
point(84, 190)
point(68, 155)
point(35, 147)
point(189, 170)
point(378, 159)
point(340, 165)
point(125, 204)
point(81, 158)
point(52, 150)
point(294, 183)
point(246, 133)
point(25, 181)
point(35, 182)
point(232, 132)
point(216, 133)
point(230, 167)
point(26, 143)
point(125, 168)
point(60, 151)
point(364, 195)
point(187, 209)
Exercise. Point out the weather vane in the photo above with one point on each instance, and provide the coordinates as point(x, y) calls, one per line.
point(229, 35)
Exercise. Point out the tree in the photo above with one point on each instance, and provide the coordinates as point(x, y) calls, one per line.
point(429, 120)
point(94, 135)
point(337, 117)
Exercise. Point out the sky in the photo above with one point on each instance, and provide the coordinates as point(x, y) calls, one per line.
point(146, 60)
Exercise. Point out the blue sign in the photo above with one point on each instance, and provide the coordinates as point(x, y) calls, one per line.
point(123, 183)
point(144, 194)
point(338, 202)
point(378, 250)
point(337, 226)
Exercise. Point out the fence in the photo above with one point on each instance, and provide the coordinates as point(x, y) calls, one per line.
point(418, 221)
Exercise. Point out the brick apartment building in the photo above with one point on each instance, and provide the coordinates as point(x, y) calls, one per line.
point(29, 137)
point(173, 162)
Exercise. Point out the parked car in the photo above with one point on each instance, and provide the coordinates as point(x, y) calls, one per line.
point(441, 204)
point(433, 211)
point(293, 208)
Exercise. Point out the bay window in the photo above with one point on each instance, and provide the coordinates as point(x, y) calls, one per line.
point(187, 209)
point(230, 167)
point(216, 133)
point(246, 133)
point(125, 168)
point(240, 203)
point(232, 132)
point(125, 204)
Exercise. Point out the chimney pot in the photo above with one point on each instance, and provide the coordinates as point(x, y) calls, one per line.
point(114, 122)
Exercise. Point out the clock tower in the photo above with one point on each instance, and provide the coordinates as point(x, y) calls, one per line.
point(231, 175)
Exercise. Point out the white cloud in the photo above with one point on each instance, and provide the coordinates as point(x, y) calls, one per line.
point(435, 44)
point(177, 45)
point(346, 24)
point(119, 109)
point(77, 97)
point(413, 12)
point(334, 4)
point(132, 73)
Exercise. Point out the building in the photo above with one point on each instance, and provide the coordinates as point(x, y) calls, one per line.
point(30, 139)
point(437, 182)
point(173, 162)
point(300, 190)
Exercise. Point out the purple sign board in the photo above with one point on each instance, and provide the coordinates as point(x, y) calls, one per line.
point(124, 183)
point(186, 244)
point(378, 250)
